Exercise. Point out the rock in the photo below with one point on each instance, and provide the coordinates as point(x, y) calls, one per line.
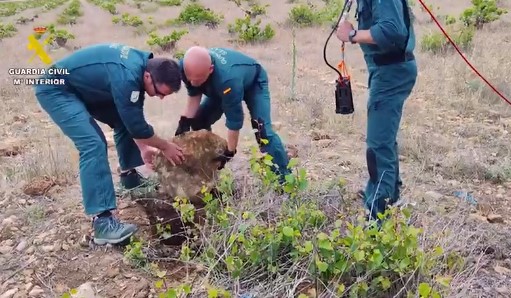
point(9, 293)
point(478, 217)
point(4, 249)
point(28, 286)
point(317, 135)
point(86, 290)
point(292, 151)
point(200, 148)
point(324, 143)
point(47, 248)
point(503, 291)
point(36, 291)
point(495, 218)
point(10, 221)
point(502, 270)
point(185, 180)
point(112, 272)
point(22, 245)
point(39, 186)
point(433, 195)
point(141, 289)
point(11, 147)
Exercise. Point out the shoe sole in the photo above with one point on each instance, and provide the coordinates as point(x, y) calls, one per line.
point(112, 241)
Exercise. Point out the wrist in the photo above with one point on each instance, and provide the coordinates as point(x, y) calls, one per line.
point(154, 141)
point(352, 35)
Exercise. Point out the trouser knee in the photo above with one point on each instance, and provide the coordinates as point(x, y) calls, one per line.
point(269, 142)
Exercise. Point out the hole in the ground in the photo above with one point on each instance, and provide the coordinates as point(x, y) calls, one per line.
point(161, 213)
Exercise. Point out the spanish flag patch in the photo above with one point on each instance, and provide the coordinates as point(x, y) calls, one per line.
point(227, 90)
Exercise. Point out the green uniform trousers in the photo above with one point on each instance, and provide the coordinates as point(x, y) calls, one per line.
point(78, 123)
point(389, 87)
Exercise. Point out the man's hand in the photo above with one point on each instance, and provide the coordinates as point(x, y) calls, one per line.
point(343, 30)
point(224, 158)
point(173, 153)
point(184, 125)
point(148, 154)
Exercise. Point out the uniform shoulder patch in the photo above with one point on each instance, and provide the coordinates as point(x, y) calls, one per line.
point(134, 96)
point(227, 90)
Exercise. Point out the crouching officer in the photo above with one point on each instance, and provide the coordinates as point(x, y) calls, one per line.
point(227, 78)
point(107, 82)
point(386, 37)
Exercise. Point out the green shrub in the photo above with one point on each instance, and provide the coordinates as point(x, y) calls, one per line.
point(196, 13)
point(170, 2)
point(481, 12)
point(71, 13)
point(128, 20)
point(108, 5)
point(7, 30)
point(436, 42)
point(303, 15)
point(248, 31)
point(166, 42)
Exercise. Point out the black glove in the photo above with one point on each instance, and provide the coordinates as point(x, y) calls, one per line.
point(224, 158)
point(184, 125)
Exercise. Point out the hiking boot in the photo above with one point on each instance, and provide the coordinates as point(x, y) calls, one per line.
point(110, 230)
point(136, 184)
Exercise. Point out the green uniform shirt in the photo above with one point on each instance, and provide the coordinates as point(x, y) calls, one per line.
point(108, 78)
point(388, 25)
point(234, 74)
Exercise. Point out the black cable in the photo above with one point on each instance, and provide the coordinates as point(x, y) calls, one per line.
point(329, 36)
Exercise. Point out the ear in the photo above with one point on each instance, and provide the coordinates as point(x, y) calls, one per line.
point(211, 68)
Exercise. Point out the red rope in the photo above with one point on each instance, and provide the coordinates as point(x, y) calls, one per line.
point(461, 54)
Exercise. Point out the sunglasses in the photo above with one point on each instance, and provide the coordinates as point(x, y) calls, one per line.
point(158, 93)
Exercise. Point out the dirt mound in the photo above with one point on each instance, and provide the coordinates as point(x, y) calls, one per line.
point(185, 181)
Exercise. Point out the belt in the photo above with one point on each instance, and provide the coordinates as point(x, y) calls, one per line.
point(392, 58)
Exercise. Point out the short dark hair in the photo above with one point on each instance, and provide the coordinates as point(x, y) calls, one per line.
point(165, 71)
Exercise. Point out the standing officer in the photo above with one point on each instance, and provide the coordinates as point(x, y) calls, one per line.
point(227, 77)
point(107, 82)
point(386, 37)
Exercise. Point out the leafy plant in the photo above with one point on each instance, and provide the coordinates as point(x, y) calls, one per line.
point(56, 36)
point(303, 15)
point(253, 10)
point(166, 42)
point(249, 31)
point(196, 13)
point(128, 20)
point(71, 13)
point(7, 30)
point(169, 2)
point(436, 42)
point(108, 5)
point(481, 12)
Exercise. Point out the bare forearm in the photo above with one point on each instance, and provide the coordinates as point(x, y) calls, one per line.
point(232, 139)
point(153, 141)
point(192, 106)
point(364, 36)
